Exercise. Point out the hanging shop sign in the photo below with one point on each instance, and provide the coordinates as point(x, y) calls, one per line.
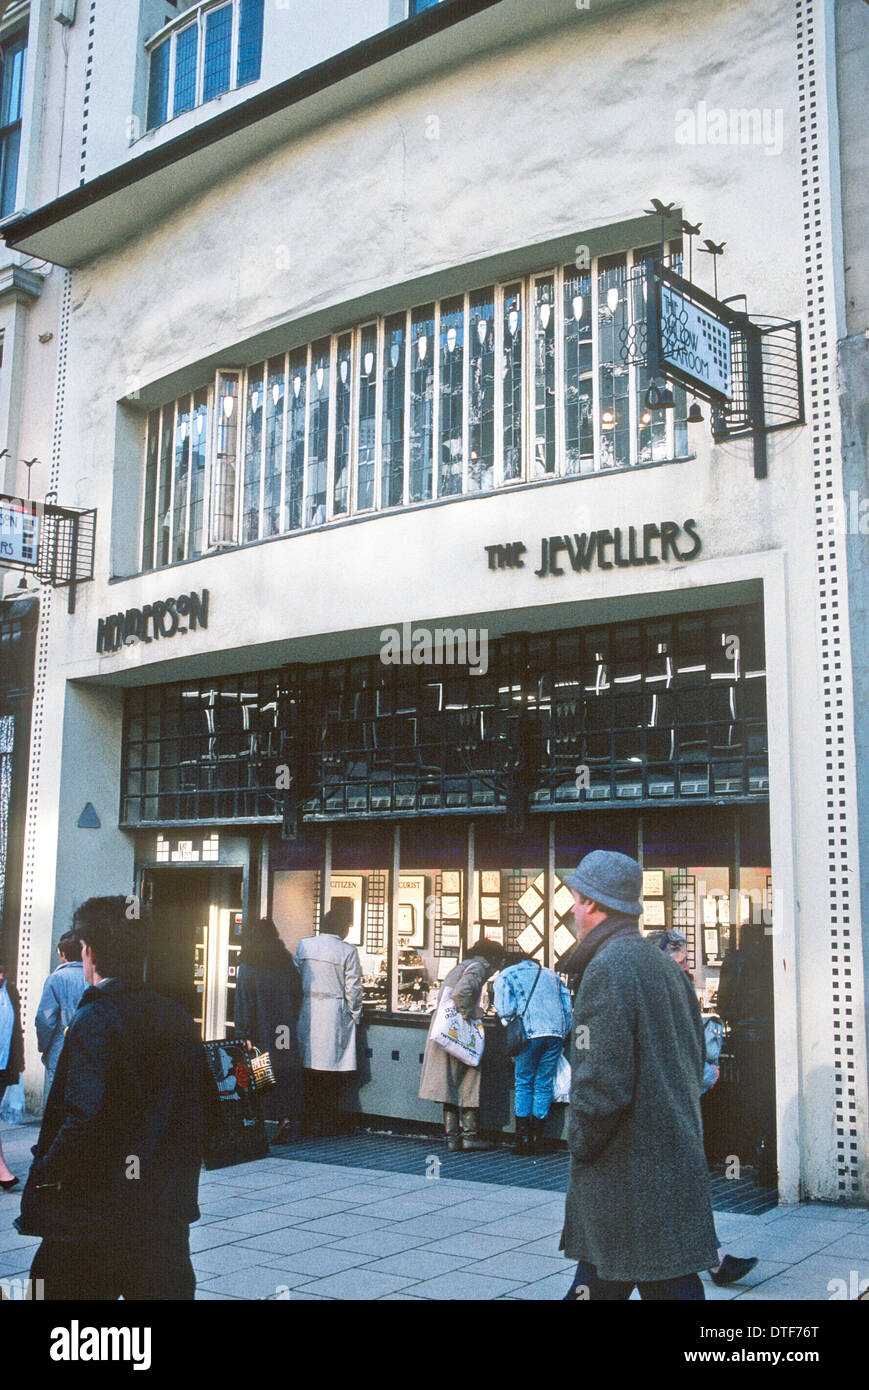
point(619, 548)
point(169, 617)
point(689, 335)
point(19, 531)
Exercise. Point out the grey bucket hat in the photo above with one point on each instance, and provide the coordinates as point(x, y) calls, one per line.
point(613, 880)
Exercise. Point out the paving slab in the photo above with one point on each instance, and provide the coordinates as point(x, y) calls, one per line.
point(462, 1287)
point(355, 1284)
point(255, 1282)
point(516, 1264)
point(379, 1243)
point(318, 1261)
point(420, 1264)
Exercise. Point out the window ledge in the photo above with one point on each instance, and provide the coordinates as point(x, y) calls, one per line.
point(338, 522)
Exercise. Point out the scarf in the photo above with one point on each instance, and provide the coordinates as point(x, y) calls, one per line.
point(577, 960)
point(7, 1025)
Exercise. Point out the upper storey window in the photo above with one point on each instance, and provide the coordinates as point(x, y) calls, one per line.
point(512, 383)
point(13, 57)
point(207, 51)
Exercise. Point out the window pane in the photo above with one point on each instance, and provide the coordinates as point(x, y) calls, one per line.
point(392, 463)
point(226, 459)
point(544, 377)
point(253, 442)
point(158, 88)
point(318, 435)
point(274, 453)
point(164, 493)
point(578, 373)
point(452, 398)
point(179, 487)
point(367, 419)
point(614, 374)
point(12, 89)
point(421, 403)
point(343, 399)
point(250, 40)
point(481, 407)
point(9, 147)
point(512, 382)
point(185, 70)
point(218, 41)
point(151, 448)
point(295, 465)
point(198, 454)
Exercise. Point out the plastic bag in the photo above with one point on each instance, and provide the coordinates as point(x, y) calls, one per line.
point(459, 1036)
point(14, 1107)
point(561, 1089)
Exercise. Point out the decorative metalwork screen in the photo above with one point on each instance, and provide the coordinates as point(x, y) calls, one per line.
point(663, 711)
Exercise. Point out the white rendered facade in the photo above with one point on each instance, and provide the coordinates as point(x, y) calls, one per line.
point(489, 151)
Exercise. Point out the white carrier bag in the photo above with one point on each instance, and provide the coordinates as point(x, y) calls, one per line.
point(460, 1037)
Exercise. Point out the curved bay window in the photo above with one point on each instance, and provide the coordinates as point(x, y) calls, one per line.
point(509, 384)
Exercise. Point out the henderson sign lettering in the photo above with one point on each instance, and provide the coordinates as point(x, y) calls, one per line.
point(167, 618)
point(621, 548)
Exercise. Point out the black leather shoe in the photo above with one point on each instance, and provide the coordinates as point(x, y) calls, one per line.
point(731, 1270)
point(8, 1186)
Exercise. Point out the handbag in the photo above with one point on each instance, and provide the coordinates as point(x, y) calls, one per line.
point(459, 1036)
point(517, 1035)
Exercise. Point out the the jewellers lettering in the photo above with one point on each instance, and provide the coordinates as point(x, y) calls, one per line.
point(621, 548)
point(167, 618)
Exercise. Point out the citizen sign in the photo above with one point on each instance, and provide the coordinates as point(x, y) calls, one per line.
point(169, 617)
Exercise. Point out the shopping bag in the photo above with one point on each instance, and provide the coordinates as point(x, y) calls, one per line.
point(561, 1089)
point(461, 1037)
point(13, 1109)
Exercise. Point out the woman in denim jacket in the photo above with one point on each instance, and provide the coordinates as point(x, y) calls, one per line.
point(525, 989)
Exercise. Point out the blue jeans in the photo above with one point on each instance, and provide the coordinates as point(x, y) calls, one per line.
point(688, 1288)
point(534, 1071)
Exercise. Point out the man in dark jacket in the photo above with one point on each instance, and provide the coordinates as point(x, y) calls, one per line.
point(114, 1183)
point(638, 1206)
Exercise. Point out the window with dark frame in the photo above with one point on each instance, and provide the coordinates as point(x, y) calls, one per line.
point(213, 48)
point(13, 58)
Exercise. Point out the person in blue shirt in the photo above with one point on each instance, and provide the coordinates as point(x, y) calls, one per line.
point(528, 990)
point(61, 994)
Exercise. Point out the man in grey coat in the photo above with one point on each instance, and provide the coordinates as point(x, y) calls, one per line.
point(60, 998)
point(638, 1206)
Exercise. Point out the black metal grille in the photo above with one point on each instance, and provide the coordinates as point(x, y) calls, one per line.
point(668, 710)
point(776, 403)
point(66, 548)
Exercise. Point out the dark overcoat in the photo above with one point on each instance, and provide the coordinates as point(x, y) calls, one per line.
point(267, 1001)
point(638, 1204)
point(11, 1073)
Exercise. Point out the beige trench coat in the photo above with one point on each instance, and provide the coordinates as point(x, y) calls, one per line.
point(331, 1002)
point(444, 1078)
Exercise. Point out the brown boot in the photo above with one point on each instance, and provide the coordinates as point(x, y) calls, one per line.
point(470, 1131)
point(451, 1128)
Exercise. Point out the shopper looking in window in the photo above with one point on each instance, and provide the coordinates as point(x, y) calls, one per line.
point(330, 1014)
point(268, 997)
point(526, 990)
point(446, 1079)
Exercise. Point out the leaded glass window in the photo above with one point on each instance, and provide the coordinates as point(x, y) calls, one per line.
point(544, 377)
point(512, 388)
point(158, 84)
point(578, 373)
point(250, 41)
point(481, 392)
point(343, 403)
point(218, 49)
point(225, 474)
point(275, 400)
point(392, 465)
point(181, 480)
point(253, 441)
point(186, 55)
point(198, 459)
point(297, 413)
point(317, 465)
point(447, 398)
point(452, 397)
point(422, 352)
point(367, 440)
point(614, 374)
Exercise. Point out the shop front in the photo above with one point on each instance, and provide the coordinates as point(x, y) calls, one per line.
point(447, 804)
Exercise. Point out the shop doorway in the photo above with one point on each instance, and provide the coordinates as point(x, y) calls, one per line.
point(197, 920)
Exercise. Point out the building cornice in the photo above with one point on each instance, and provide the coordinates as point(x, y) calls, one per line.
point(19, 286)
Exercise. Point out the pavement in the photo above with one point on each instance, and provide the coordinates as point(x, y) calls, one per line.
point(303, 1228)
